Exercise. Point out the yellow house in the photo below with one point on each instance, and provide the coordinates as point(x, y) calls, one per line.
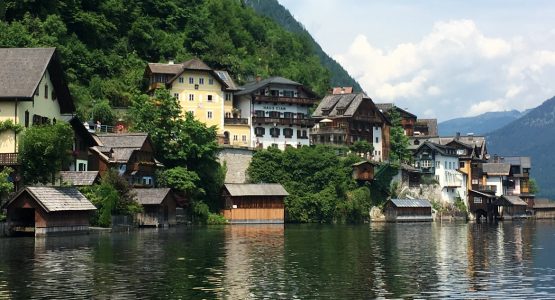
point(201, 91)
point(32, 92)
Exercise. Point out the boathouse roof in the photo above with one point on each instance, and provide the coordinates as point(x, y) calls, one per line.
point(260, 189)
point(411, 203)
point(53, 199)
point(510, 200)
point(152, 196)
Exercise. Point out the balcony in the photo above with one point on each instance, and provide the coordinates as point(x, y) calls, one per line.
point(283, 121)
point(369, 119)
point(487, 188)
point(328, 130)
point(287, 100)
point(236, 121)
point(8, 159)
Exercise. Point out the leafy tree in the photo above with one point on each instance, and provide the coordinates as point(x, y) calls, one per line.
point(361, 147)
point(102, 112)
point(6, 185)
point(182, 181)
point(534, 187)
point(399, 142)
point(44, 150)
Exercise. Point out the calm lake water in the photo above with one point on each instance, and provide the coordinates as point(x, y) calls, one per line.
point(511, 259)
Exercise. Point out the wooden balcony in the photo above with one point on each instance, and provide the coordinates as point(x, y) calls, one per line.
point(8, 159)
point(328, 130)
point(487, 188)
point(369, 119)
point(236, 121)
point(283, 121)
point(287, 100)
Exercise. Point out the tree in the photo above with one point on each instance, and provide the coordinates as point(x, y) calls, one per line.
point(183, 182)
point(6, 185)
point(103, 112)
point(534, 187)
point(400, 152)
point(362, 147)
point(44, 150)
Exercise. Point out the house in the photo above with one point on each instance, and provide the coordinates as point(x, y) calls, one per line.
point(254, 203)
point(32, 92)
point(425, 127)
point(82, 142)
point(518, 180)
point(481, 204)
point(407, 176)
point(510, 207)
point(80, 178)
point(346, 118)
point(159, 207)
point(277, 110)
point(494, 176)
point(442, 163)
point(544, 209)
point(363, 170)
point(202, 91)
point(408, 210)
point(132, 154)
point(408, 120)
point(48, 210)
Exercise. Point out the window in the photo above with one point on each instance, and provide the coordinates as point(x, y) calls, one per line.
point(228, 96)
point(228, 115)
point(181, 80)
point(305, 136)
point(53, 94)
point(196, 86)
point(275, 114)
point(274, 145)
point(300, 116)
point(209, 98)
point(461, 164)
point(26, 118)
point(461, 152)
point(235, 137)
point(426, 163)
point(259, 113)
point(259, 131)
point(201, 80)
point(445, 164)
point(244, 138)
point(287, 115)
point(474, 181)
point(82, 167)
point(274, 132)
point(288, 132)
point(210, 81)
point(176, 96)
point(191, 80)
point(191, 97)
point(46, 91)
point(477, 200)
point(209, 115)
point(438, 163)
point(377, 139)
point(147, 180)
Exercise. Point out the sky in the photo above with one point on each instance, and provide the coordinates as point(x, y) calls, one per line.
point(440, 58)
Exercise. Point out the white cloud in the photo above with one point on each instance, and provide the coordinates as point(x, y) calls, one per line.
point(454, 70)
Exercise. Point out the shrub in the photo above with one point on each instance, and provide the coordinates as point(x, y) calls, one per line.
point(216, 219)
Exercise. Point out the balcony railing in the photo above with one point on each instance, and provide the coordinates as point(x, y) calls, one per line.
point(283, 121)
point(369, 119)
point(487, 188)
point(236, 121)
point(8, 159)
point(289, 100)
point(328, 130)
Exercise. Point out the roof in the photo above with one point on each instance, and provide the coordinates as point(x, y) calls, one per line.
point(342, 90)
point(476, 144)
point(83, 132)
point(256, 85)
point(498, 169)
point(57, 198)
point(482, 194)
point(431, 124)
point(165, 68)
point(441, 149)
point(522, 161)
point(544, 203)
point(411, 203)
point(514, 200)
point(123, 140)
point(152, 196)
point(79, 178)
point(122, 154)
point(224, 75)
point(22, 69)
point(364, 162)
point(385, 107)
point(260, 189)
point(343, 105)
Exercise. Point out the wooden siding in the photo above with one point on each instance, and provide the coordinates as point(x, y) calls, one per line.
point(254, 215)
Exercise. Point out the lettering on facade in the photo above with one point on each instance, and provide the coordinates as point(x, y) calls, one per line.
point(274, 108)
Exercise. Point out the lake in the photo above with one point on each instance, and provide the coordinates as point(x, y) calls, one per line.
point(433, 260)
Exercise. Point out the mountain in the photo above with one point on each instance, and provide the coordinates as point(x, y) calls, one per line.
point(480, 125)
point(275, 11)
point(532, 135)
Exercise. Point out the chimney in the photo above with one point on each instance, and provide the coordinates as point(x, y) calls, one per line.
point(170, 62)
point(258, 78)
point(458, 136)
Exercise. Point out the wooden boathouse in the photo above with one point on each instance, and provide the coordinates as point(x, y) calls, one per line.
point(159, 207)
point(48, 210)
point(254, 203)
point(544, 209)
point(408, 210)
point(510, 207)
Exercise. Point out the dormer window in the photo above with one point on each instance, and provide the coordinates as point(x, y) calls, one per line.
point(340, 111)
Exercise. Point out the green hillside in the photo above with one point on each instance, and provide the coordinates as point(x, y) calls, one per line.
point(105, 44)
point(275, 11)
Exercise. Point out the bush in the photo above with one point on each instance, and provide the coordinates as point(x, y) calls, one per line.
point(200, 212)
point(216, 219)
point(459, 205)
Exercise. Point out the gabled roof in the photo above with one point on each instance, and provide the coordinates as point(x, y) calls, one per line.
point(160, 68)
point(193, 64)
point(496, 169)
point(386, 107)
point(252, 86)
point(344, 105)
point(260, 189)
point(152, 196)
point(441, 149)
point(124, 140)
point(511, 200)
point(196, 64)
point(224, 75)
point(80, 178)
point(342, 90)
point(411, 203)
point(56, 198)
point(482, 194)
point(22, 69)
point(83, 132)
point(522, 161)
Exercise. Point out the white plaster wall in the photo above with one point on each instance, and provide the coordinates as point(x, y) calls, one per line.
point(497, 181)
point(377, 133)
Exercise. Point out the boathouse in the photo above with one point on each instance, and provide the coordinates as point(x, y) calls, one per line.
point(363, 171)
point(159, 207)
point(509, 207)
point(48, 210)
point(544, 209)
point(254, 203)
point(408, 210)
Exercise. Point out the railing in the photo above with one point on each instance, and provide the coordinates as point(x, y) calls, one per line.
point(8, 159)
point(369, 119)
point(290, 100)
point(236, 121)
point(328, 130)
point(283, 121)
point(487, 188)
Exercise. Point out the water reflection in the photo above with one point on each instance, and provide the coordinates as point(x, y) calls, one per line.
point(512, 259)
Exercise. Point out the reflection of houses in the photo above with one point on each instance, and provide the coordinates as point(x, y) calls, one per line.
point(276, 109)
point(159, 207)
point(80, 178)
point(33, 92)
point(408, 120)
point(346, 118)
point(132, 154)
point(254, 203)
point(408, 210)
point(48, 210)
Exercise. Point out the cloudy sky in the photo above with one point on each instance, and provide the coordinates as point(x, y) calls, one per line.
point(440, 58)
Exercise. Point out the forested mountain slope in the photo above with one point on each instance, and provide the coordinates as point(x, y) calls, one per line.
point(531, 135)
point(105, 44)
point(278, 13)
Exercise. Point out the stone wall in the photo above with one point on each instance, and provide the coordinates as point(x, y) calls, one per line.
point(237, 161)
